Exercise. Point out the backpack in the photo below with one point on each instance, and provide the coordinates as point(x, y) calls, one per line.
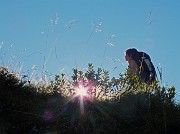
point(146, 68)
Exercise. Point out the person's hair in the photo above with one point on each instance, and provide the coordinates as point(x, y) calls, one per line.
point(132, 52)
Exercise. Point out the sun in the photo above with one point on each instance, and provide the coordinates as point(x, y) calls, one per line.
point(82, 94)
point(81, 91)
point(83, 88)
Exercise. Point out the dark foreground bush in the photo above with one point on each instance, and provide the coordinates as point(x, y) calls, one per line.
point(132, 107)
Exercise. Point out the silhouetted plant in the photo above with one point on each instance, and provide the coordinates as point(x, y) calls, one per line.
point(115, 105)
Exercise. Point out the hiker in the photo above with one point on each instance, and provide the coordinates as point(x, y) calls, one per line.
point(140, 64)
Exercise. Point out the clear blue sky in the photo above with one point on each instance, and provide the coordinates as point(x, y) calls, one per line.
point(64, 34)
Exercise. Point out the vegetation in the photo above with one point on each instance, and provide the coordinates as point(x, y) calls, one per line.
point(112, 105)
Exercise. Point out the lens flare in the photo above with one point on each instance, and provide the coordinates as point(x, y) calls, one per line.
point(82, 91)
point(83, 88)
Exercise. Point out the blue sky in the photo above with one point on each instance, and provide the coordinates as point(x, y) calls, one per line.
point(66, 34)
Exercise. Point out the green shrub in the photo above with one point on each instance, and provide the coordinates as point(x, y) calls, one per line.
point(114, 105)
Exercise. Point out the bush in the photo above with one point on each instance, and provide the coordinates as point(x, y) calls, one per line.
point(117, 105)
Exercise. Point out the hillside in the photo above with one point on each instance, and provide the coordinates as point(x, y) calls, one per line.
point(118, 105)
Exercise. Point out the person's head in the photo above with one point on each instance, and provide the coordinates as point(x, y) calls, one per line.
point(130, 54)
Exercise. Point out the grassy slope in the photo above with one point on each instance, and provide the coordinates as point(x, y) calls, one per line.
point(23, 109)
